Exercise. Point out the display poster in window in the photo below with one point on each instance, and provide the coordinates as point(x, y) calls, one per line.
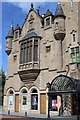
point(54, 105)
point(24, 100)
point(10, 101)
point(34, 102)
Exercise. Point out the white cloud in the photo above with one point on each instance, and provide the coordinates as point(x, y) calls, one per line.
point(25, 4)
point(28, 0)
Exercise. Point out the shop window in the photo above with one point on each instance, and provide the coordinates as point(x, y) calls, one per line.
point(24, 97)
point(34, 100)
point(75, 55)
point(54, 103)
point(48, 49)
point(47, 22)
point(10, 99)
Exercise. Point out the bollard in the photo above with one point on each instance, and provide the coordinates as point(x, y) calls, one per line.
point(25, 113)
point(8, 112)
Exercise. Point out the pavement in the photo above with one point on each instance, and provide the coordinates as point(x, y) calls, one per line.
point(10, 117)
point(22, 116)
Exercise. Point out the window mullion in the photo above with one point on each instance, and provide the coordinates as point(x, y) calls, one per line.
point(33, 51)
point(28, 51)
point(20, 55)
point(38, 50)
point(25, 52)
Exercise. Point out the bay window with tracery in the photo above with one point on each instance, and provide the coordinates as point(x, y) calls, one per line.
point(29, 51)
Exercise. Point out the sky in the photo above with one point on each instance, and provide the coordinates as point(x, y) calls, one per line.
point(16, 12)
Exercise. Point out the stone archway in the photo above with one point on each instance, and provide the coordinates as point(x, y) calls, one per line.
point(67, 88)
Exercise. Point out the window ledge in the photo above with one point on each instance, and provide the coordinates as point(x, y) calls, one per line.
point(47, 27)
point(74, 63)
point(16, 39)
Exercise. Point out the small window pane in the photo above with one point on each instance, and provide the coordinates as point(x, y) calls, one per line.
point(48, 48)
point(16, 34)
point(30, 25)
point(34, 91)
point(24, 91)
point(15, 57)
point(10, 92)
point(73, 37)
point(36, 50)
point(72, 50)
point(77, 57)
point(77, 49)
point(73, 57)
point(47, 21)
point(30, 52)
point(56, 25)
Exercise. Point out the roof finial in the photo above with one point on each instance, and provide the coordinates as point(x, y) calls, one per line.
point(12, 23)
point(58, 1)
point(38, 10)
point(31, 5)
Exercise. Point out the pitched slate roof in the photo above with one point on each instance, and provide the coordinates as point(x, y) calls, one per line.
point(48, 13)
point(30, 34)
point(59, 11)
point(17, 27)
point(10, 33)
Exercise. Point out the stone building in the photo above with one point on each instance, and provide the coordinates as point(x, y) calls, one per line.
point(44, 56)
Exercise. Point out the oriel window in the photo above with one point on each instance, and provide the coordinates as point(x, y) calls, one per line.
point(29, 51)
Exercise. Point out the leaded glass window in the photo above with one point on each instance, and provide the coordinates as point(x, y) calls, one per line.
point(75, 54)
point(36, 50)
point(29, 51)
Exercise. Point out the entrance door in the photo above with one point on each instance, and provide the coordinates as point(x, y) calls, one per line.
point(43, 103)
point(16, 103)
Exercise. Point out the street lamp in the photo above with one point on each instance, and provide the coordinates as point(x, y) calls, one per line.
point(48, 86)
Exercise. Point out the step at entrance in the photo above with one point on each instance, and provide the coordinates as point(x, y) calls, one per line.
point(64, 118)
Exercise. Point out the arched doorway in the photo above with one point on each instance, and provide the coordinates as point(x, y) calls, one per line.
point(68, 89)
